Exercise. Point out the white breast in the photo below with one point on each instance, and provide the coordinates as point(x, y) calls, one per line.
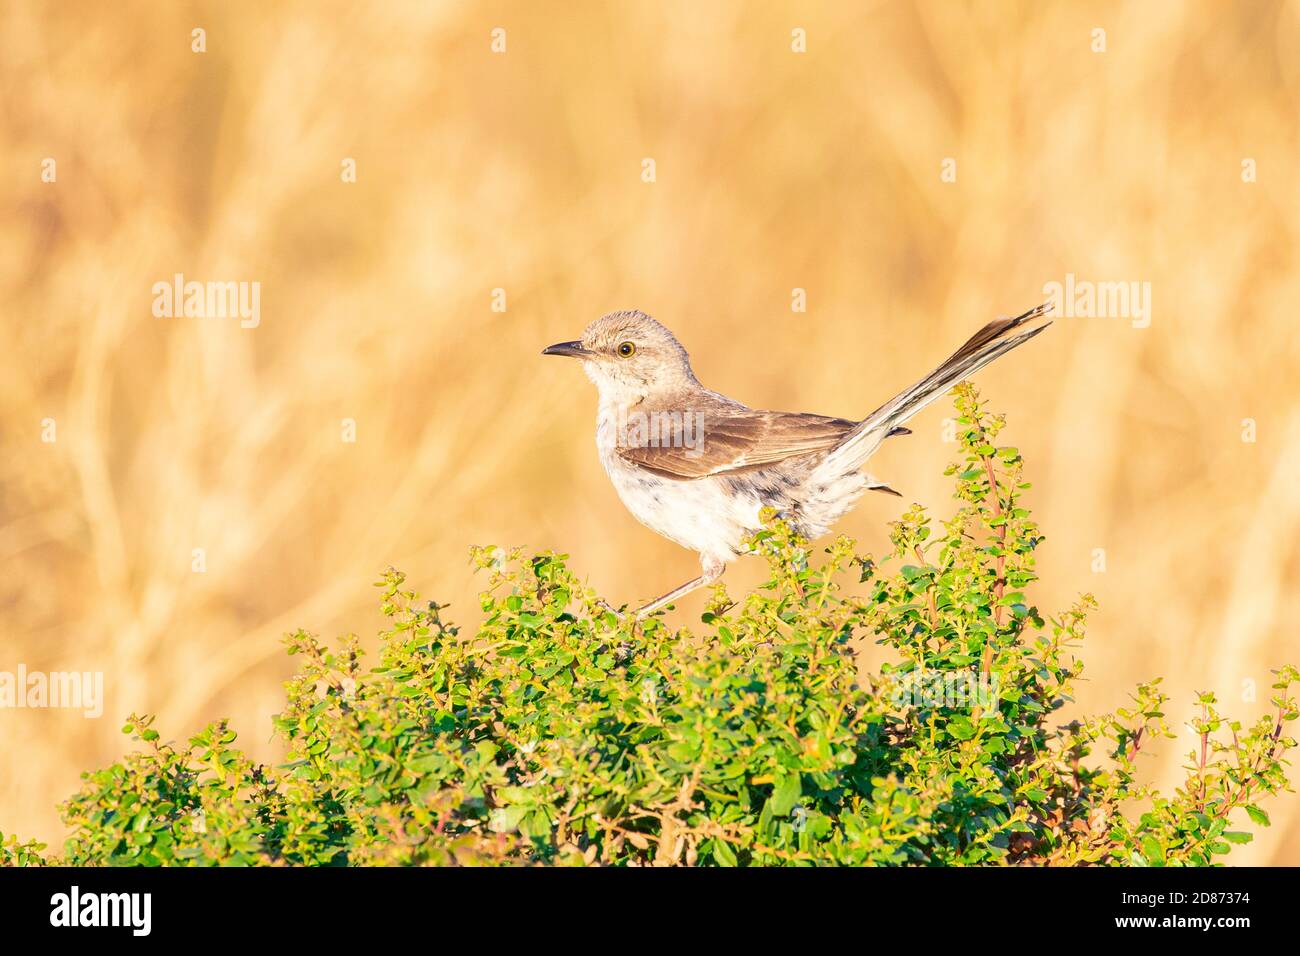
point(701, 514)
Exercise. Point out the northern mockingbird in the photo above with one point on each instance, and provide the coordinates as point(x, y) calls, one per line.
point(698, 467)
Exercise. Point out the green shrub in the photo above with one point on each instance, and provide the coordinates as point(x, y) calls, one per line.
point(560, 734)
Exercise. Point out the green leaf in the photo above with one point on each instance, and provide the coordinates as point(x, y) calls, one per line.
point(961, 728)
point(505, 819)
point(723, 853)
point(786, 794)
point(1153, 851)
point(1258, 815)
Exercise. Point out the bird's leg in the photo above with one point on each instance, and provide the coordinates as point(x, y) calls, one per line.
point(606, 606)
point(673, 595)
point(713, 569)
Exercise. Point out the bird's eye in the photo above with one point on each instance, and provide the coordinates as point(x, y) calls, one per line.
point(626, 350)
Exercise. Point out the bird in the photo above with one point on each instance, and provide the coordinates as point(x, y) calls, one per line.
point(699, 468)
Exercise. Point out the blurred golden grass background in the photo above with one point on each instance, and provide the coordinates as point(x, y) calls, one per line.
point(521, 171)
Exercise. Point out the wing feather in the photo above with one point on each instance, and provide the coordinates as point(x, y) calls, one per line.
point(735, 439)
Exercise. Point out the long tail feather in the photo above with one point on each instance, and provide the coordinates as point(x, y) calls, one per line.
point(986, 345)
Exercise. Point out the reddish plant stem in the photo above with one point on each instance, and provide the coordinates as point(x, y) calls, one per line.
point(999, 585)
point(929, 591)
point(1205, 742)
point(1275, 749)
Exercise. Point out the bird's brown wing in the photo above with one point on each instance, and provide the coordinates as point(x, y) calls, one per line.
point(727, 438)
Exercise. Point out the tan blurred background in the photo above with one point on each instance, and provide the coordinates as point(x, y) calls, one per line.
point(522, 171)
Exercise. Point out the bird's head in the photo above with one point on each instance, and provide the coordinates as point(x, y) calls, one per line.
point(629, 356)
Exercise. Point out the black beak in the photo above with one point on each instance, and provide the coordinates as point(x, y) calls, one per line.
point(571, 349)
